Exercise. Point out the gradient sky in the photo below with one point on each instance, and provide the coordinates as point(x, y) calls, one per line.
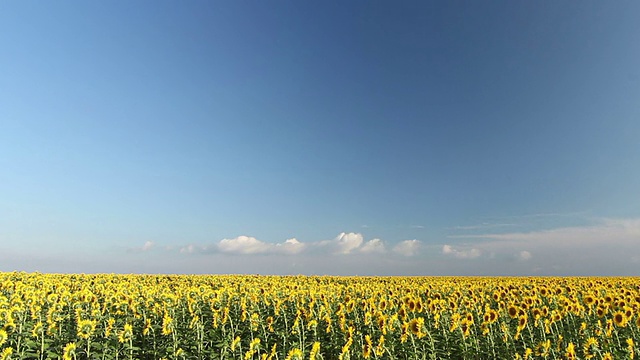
point(286, 137)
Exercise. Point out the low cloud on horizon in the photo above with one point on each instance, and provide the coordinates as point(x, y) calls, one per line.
point(606, 247)
point(342, 245)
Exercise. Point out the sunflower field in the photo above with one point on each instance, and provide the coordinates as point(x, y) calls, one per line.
point(52, 316)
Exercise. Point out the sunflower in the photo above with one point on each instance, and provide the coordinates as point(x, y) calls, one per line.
point(294, 354)
point(270, 323)
point(167, 324)
point(415, 327)
point(315, 350)
point(537, 313)
point(465, 326)
point(484, 329)
point(411, 304)
point(512, 310)
point(35, 332)
point(253, 347)
point(453, 306)
point(345, 348)
point(126, 334)
point(273, 353)
point(419, 306)
point(522, 322)
point(350, 306)
point(235, 343)
point(590, 348)
point(486, 318)
point(382, 322)
point(69, 351)
point(571, 351)
point(527, 300)
point(366, 347)
point(402, 313)
point(86, 328)
point(254, 320)
point(628, 312)
point(6, 353)
point(469, 317)
point(544, 291)
point(583, 327)
point(545, 311)
point(109, 327)
point(382, 305)
point(559, 290)
point(404, 333)
point(255, 344)
point(619, 319)
point(380, 347)
point(3, 336)
point(455, 322)
point(542, 349)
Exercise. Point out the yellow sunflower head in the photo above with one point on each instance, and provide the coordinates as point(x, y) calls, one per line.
point(512, 310)
point(619, 319)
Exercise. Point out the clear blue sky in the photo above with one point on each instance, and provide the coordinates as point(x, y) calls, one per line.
point(468, 137)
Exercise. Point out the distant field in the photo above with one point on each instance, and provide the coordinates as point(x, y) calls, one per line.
point(268, 317)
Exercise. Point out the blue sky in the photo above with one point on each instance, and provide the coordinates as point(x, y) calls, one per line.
point(368, 137)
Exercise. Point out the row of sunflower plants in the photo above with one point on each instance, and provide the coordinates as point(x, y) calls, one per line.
point(106, 316)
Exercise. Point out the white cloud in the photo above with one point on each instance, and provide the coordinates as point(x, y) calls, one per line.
point(242, 245)
point(290, 246)
point(347, 242)
point(343, 244)
point(407, 247)
point(604, 247)
point(373, 246)
point(247, 245)
point(147, 246)
point(524, 255)
point(461, 254)
point(188, 249)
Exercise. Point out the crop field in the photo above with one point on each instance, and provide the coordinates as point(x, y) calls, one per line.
point(49, 316)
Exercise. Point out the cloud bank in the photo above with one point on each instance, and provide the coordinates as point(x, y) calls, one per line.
point(342, 245)
point(407, 247)
point(373, 246)
point(604, 247)
point(461, 254)
point(247, 245)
